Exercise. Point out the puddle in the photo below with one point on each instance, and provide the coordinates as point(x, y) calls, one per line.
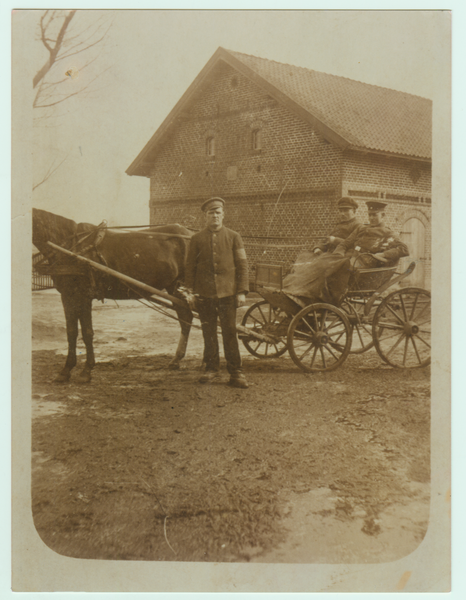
point(41, 408)
point(318, 536)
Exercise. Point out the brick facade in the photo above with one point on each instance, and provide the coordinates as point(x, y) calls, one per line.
point(404, 185)
point(288, 187)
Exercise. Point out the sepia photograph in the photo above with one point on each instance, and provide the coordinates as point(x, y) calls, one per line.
point(238, 343)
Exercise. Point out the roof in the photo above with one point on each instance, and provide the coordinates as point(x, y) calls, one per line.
point(348, 113)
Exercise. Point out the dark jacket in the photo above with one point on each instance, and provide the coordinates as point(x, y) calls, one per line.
point(340, 232)
point(216, 266)
point(374, 240)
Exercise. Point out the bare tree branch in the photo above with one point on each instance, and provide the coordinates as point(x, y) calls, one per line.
point(63, 37)
point(52, 50)
point(82, 42)
point(73, 94)
point(83, 49)
point(49, 173)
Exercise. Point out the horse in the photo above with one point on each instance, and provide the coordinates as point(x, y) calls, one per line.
point(154, 256)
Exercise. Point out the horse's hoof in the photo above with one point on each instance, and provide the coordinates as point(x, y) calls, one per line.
point(84, 377)
point(62, 378)
point(174, 365)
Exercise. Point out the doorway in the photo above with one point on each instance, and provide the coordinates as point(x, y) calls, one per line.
point(413, 234)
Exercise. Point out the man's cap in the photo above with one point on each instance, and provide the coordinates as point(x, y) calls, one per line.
point(212, 203)
point(374, 206)
point(346, 202)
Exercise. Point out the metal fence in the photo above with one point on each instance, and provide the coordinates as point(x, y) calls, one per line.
point(40, 282)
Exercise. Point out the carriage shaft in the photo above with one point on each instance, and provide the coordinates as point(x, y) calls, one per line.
point(150, 289)
point(125, 278)
point(257, 336)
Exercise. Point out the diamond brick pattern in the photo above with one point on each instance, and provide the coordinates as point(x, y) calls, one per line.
point(368, 116)
point(293, 154)
point(288, 189)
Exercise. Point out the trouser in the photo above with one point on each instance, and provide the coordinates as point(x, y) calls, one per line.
point(224, 309)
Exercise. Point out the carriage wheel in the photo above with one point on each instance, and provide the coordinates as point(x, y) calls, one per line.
point(265, 319)
point(401, 328)
point(319, 338)
point(362, 332)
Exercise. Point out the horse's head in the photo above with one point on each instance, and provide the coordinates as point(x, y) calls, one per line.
point(47, 227)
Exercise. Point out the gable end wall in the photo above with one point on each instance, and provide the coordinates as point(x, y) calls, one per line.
point(288, 188)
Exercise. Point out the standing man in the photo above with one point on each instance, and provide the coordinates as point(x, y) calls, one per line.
point(217, 274)
point(375, 238)
point(348, 222)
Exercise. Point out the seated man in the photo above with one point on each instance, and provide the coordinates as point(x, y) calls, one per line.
point(326, 278)
point(348, 223)
point(375, 238)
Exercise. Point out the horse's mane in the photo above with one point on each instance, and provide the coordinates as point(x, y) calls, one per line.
point(48, 227)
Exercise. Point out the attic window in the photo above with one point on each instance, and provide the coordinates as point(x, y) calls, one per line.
point(257, 139)
point(210, 146)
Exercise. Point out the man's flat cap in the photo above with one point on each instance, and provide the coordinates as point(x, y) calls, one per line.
point(212, 203)
point(374, 206)
point(346, 202)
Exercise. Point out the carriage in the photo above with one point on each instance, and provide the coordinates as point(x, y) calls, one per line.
point(319, 336)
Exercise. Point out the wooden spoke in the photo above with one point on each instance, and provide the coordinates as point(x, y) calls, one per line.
point(343, 331)
point(390, 326)
point(324, 316)
point(395, 345)
point(335, 323)
point(416, 350)
point(261, 323)
point(394, 313)
point(387, 337)
point(426, 305)
point(323, 357)
point(414, 307)
point(405, 351)
point(304, 321)
point(359, 336)
point(422, 340)
point(328, 349)
point(319, 321)
point(414, 304)
point(403, 306)
point(314, 357)
point(305, 334)
point(309, 348)
point(263, 316)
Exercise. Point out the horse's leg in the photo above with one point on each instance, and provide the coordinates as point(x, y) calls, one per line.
point(185, 317)
point(71, 316)
point(85, 318)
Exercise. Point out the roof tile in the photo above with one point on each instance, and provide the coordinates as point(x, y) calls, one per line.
point(367, 116)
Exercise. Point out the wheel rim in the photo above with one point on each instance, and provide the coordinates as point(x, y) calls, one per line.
point(362, 332)
point(319, 338)
point(402, 330)
point(263, 318)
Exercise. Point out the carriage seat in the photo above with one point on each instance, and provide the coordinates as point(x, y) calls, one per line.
point(369, 279)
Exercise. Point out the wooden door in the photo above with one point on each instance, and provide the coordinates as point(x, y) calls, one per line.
point(413, 234)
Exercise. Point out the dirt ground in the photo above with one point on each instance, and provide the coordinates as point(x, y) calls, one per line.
point(145, 463)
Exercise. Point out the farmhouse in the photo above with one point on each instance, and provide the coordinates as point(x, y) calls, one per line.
point(281, 144)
